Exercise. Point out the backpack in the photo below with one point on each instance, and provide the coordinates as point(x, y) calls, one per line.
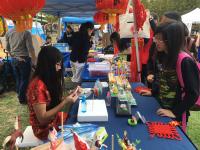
point(196, 106)
point(181, 56)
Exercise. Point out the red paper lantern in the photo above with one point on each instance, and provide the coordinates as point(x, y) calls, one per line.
point(101, 18)
point(3, 27)
point(22, 11)
point(112, 19)
point(112, 6)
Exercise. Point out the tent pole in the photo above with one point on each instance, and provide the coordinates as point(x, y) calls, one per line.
point(135, 34)
point(59, 25)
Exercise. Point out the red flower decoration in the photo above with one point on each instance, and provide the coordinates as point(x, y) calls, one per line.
point(140, 14)
point(163, 130)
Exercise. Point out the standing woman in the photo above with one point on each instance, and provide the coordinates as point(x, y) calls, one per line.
point(81, 44)
point(45, 92)
point(170, 39)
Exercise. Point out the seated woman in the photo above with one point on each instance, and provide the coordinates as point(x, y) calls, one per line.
point(121, 46)
point(45, 92)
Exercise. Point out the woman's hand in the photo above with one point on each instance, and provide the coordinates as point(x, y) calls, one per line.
point(145, 93)
point(165, 113)
point(150, 78)
point(78, 90)
point(71, 98)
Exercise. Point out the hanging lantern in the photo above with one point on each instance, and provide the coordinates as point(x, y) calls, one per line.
point(101, 18)
point(3, 26)
point(112, 19)
point(112, 6)
point(21, 11)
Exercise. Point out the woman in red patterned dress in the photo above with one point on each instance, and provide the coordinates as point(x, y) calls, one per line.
point(45, 91)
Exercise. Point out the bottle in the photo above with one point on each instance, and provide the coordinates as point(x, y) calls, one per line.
point(83, 104)
point(66, 47)
point(108, 99)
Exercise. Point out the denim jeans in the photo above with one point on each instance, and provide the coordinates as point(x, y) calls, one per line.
point(77, 69)
point(22, 70)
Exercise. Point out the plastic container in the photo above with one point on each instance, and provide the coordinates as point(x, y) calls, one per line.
point(63, 47)
point(108, 99)
point(99, 69)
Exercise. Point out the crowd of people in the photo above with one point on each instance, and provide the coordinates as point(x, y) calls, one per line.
point(44, 91)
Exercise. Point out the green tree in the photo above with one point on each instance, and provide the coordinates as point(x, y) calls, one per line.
point(51, 18)
point(161, 6)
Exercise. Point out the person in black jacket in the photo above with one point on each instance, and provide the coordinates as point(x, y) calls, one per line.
point(67, 37)
point(170, 39)
point(81, 44)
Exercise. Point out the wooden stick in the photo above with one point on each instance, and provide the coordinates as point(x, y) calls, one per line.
point(92, 104)
point(112, 142)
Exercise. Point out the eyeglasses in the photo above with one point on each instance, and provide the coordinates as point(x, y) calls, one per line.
point(58, 64)
point(158, 40)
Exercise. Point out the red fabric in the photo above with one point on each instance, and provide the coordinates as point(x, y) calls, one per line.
point(101, 18)
point(141, 88)
point(145, 51)
point(65, 116)
point(38, 94)
point(116, 49)
point(80, 144)
point(163, 130)
point(135, 75)
point(117, 23)
point(91, 60)
point(140, 14)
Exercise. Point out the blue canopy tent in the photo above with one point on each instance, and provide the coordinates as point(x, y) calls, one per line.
point(77, 11)
point(74, 20)
point(75, 8)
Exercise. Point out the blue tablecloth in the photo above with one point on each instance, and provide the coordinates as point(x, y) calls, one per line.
point(66, 59)
point(147, 107)
point(85, 76)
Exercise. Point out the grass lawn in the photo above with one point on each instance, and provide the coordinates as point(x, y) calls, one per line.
point(9, 108)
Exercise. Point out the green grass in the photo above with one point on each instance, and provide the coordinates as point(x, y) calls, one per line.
point(9, 108)
point(193, 129)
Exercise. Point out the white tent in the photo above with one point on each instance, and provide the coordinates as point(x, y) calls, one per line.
point(191, 17)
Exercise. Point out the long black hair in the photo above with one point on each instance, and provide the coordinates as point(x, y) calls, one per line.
point(85, 26)
point(122, 44)
point(173, 37)
point(173, 15)
point(115, 37)
point(46, 71)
